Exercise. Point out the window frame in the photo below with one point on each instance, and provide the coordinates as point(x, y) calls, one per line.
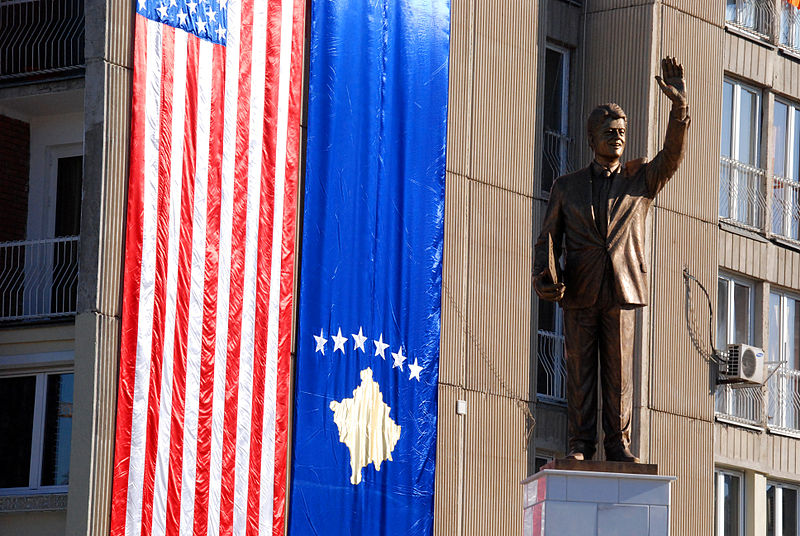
point(791, 167)
point(38, 430)
point(731, 312)
point(563, 132)
point(779, 487)
point(719, 500)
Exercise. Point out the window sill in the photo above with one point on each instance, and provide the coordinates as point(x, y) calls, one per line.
point(750, 35)
point(741, 231)
point(33, 502)
point(733, 422)
point(789, 52)
point(784, 432)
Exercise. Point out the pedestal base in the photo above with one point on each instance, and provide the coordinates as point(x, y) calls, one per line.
point(561, 502)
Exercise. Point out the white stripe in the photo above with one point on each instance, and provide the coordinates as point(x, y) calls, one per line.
point(194, 341)
point(133, 514)
point(247, 353)
point(176, 176)
point(268, 448)
point(223, 284)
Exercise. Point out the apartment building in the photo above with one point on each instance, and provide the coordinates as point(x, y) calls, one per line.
point(523, 77)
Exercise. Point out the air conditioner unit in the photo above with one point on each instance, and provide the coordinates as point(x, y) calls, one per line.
point(745, 364)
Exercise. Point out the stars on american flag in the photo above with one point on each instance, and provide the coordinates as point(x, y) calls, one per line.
point(359, 341)
point(207, 19)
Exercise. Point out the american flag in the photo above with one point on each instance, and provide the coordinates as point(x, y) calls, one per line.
point(206, 328)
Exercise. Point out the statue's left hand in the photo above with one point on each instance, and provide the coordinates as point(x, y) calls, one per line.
point(672, 82)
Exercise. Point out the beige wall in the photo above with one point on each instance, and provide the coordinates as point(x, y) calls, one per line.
point(33, 523)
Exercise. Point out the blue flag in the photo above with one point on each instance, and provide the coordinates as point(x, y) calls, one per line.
point(370, 290)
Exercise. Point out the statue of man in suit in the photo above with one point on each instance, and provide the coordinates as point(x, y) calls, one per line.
point(599, 213)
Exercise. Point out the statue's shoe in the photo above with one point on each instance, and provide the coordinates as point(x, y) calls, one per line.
point(622, 454)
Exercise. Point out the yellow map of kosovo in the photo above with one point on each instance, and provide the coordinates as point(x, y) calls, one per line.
point(365, 426)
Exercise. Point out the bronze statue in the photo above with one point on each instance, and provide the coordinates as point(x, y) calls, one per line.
point(599, 214)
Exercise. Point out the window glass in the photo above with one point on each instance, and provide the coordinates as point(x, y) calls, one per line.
point(17, 400)
point(747, 127)
point(730, 10)
point(58, 430)
point(722, 315)
point(789, 512)
point(774, 327)
point(779, 130)
point(554, 140)
point(795, 175)
point(792, 325)
point(731, 505)
point(727, 118)
point(770, 510)
point(741, 299)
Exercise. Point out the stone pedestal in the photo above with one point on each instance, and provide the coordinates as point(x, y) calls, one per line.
point(593, 502)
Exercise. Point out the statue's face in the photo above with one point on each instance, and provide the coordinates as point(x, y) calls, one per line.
point(609, 140)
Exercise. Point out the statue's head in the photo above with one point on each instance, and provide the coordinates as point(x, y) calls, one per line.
point(606, 129)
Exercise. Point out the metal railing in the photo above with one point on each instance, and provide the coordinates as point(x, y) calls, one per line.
point(41, 39)
point(784, 400)
point(786, 208)
point(742, 197)
point(38, 279)
point(756, 16)
point(790, 26)
point(552, 373)
point(744, 404)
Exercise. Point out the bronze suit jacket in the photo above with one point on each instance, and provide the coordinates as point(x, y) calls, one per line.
point(570, 218)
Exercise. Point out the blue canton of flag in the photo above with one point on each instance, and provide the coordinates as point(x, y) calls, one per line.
point(207, 19)
point(364, 449)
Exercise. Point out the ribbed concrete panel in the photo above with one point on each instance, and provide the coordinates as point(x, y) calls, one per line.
point(495, 463)
point(96, 363)
point(452, 358)
point(459, 111)
point(551, 428)
point(787, 77)
point(747, 59)
point(694, 190)
point(109, 31)
point(613, 35)
point(594, 6)
point(563, 22)
point(504, 98)
point(499, 291)
point(746, 256)
point(681, 447)
point(449, 463)
point(106, 138)
point(738, 446)
point(679, 377)
point(709, 12)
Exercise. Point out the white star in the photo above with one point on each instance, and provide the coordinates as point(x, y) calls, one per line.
point(192, 6)
point(380, 347)
point(201, 26)
point(321, 340)
point(212, 15)
point(399, 358)
point(173, 3)
point(142, 4)
point(182, 17)
point(223, 4)
point(221, 33)
point(415, 370)
point(360, 339)
point(162, 11)
point(338, 341)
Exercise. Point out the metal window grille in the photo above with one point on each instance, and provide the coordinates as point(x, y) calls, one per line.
point(742, 198)
point(38, 279)
point(790, 26)
point(786, 208)
point(784, 400)
point(756, 16)
point(41, 39)
point(745, 405)
point(552, 379)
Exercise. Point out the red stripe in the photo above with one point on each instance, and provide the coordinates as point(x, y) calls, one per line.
point(238, 239)
point(264, 260)
point(132, 277)
point(183, 292)
point(206, 405)
point(160, 267)
point(287, 269)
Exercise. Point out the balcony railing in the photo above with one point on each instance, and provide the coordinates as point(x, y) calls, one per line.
point(744, 405)
point(756, 16)
point(784, 400)
point(40, 39)
point(38, 279)
point(790, 26)
point(786, 208)
point(552, 374)
point(742, 199)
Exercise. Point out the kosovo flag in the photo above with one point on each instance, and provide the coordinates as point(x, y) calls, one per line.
point(370, 284)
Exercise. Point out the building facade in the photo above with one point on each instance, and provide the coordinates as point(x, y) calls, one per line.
point(523, 77)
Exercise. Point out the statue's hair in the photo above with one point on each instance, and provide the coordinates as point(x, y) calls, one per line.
point(600, 113)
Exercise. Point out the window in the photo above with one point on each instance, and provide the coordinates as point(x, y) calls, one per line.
point(784, 345)
point(35, 432)
point(782, 510)
point(555, 140)
point(752, 15)
point(735, 324)
point(786, 182)
point(742, 197)
point(551, 372)
point(728, 502)
point(790, 25)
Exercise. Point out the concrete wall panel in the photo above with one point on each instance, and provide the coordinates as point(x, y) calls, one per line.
point(448, 507)
point(747, 60)
point(459, 112)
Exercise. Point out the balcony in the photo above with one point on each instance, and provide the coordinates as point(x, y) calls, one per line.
point(552, 374)
point(38, 279)
point(41, 40)
point(742, 196)
point(784, 400)
point(790, 26)
point(743, 405)
point(753, 16)
point(777, 406)
point(786, 208)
